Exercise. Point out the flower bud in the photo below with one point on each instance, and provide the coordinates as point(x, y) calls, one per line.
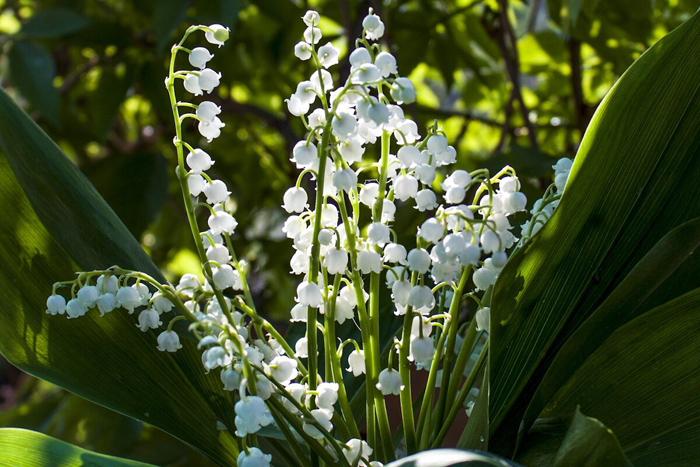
point(295, 200)
point(216, 34)
point(74, 309)
point(87, 296)
point(482, 317)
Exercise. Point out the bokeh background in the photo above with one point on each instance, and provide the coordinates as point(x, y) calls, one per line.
point(510, 81)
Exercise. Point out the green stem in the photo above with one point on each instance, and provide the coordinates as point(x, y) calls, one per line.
point(315, 253)
point(405, 395)
point(449, 351)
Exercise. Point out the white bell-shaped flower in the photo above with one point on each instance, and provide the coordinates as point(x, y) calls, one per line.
point(311, 18)
point(490, 241)
point(401, 291)
point(224, 277)
point(296, 106)
point(149, 319)
point(312, 35)
point(283, 369)
point(251, 415)
point(369, 193)
point(386, 64)
point(388, 210)
point(191, 84)
point(304, 154)
point(217, 34)
point(108, 284)
point(323, 417)
point(369, 261)
point(402, 91)
point(199, 57)
point(128, 298)
point(345, 180)
point(309, 294)
point(483, 315)
point(209, 79)
point(395, 253)
point(169, 341)
point(231, 379)
point(302, 50)
point(367, 73)
point(563, 165)
point(355, 450)
point(328, 55)
point(378, 234)
point(218, 254)
point(199, 161)
point(360, 56)
point(322, 76)
point(327, 395)
point(344, 125)
point(422, 351)
point(483, 278)
point(75, 310)
point(426, 200)
point(216, 192)
point(421, 296)
point(356, 362)
point(373, 26)
point(211, 130)
point(301, 348)
point(87, 296)
point(222, 222)
point(389, 382)
point(161, 303)
point(405, 187)
point(335, 260)
point(207, 111)
point(56, 305)
point(196, 183)
point(253, 458)
point(431, 230)
point(295, 200)
point(425, 173)
point(418, 260)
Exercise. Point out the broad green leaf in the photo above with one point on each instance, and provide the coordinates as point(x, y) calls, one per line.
point(32, 71)
point(572, 441)
point(589, 443)
point(51, 23)
point(621, 199)
point(452, 458)
point(30, 449)
point(106, 360)
point(476, 433)
point(622, 305)
point(134, 185)
point(643, 383)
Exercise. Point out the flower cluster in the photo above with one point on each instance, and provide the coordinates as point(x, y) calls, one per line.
point(361, 161)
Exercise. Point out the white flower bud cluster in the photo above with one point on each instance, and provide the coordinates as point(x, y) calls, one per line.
point(112, 291)
point(543, 208)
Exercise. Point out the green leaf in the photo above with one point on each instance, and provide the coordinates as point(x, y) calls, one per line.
point(622, 305)
point(32, 71)
point(643, 382)
point(51, 23)
point(589, 443)
point(452, 458)
point(476, 433)
point(106, 360)
point(134, 185)
point(30, 449)
point(621, 199)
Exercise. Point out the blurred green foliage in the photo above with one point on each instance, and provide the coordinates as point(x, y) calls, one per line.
point(511, 82)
